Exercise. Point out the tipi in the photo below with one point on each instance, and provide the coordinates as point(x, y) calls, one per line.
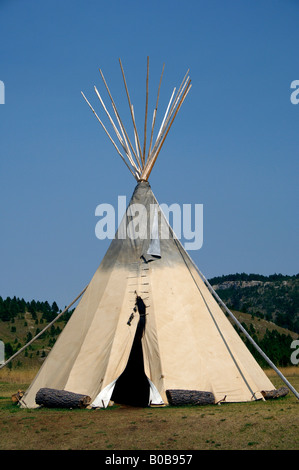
point(148, 322)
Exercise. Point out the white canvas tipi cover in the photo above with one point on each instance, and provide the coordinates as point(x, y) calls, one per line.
point(186, 342)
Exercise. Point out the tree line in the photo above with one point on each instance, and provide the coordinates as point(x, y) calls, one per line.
point(11, 307)
point(275, 345)
point(251, 277)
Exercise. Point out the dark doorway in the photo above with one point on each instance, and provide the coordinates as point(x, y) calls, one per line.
point(132, 387)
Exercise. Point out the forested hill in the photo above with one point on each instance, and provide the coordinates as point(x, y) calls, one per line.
point(274, 298)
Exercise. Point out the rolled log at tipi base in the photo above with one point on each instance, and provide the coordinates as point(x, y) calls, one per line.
point(189, 397)
point(52, 398)
point(270, 394)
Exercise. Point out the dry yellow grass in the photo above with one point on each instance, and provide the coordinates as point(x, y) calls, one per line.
point(18, 376)
point(26, 375)
point(292, 371)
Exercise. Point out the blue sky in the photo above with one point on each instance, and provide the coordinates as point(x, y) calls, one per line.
point(233, 146)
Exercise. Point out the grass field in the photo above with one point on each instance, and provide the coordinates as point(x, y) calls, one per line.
point(261, 425)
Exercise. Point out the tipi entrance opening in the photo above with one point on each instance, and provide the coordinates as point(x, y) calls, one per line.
point(132, 387)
